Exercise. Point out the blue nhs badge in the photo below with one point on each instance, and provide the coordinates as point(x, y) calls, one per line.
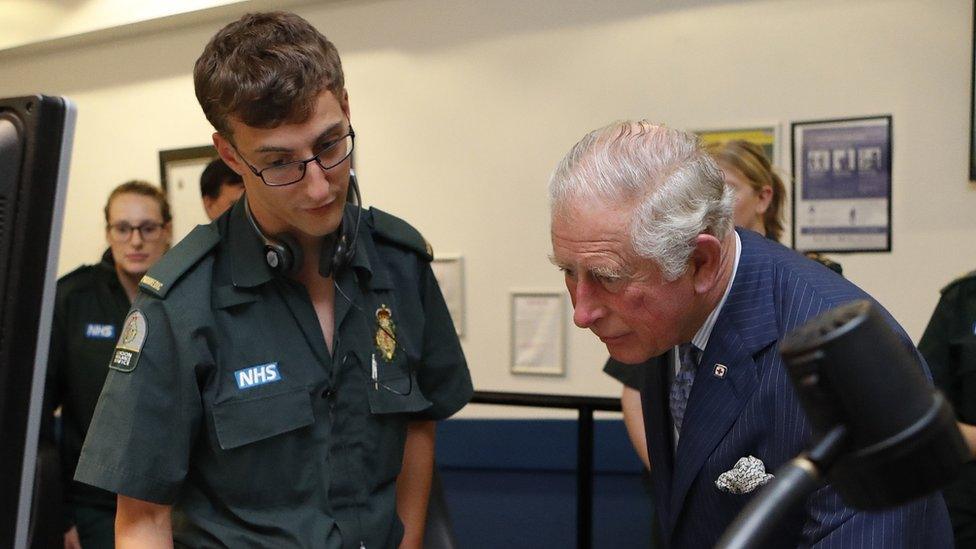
point(253, 376)
point(100, 331)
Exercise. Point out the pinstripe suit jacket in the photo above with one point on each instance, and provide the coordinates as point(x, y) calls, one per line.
point(753, 410)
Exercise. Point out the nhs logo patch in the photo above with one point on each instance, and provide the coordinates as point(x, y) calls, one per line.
point(253, 376)
point(100, 331)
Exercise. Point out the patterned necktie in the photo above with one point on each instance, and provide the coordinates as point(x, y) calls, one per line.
point(681, 385)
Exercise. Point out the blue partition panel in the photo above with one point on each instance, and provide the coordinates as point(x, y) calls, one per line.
point(512, 483)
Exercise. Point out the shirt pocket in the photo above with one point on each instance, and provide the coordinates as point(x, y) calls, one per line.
point(241, 422)
point(394, 389)
point(392, 397)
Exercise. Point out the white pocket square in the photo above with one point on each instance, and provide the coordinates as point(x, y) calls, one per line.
point(748, 474)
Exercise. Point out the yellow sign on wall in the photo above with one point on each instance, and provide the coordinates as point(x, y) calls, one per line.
point(764, 137)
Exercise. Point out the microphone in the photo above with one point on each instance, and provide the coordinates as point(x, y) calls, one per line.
point(850, 368)
point(882, 434)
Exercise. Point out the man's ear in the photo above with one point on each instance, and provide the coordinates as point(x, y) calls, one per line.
point(344, 103)
point(229, 155)
point(706, 263)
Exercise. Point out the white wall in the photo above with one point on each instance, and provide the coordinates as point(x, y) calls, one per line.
point(463, 108)
point(31, 25)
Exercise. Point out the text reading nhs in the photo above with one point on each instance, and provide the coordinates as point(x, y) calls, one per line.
point(253, 376)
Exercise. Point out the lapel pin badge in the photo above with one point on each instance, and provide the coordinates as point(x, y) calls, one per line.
point(719, 371)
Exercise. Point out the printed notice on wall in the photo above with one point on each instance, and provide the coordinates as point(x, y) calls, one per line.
point(538, 321)
point(842, 185)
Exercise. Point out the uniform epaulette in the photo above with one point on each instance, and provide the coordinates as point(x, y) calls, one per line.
point(963, 278)
point(391, 228)
point(164, 274)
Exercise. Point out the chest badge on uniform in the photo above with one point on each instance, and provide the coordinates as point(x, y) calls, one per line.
point(130, 343)
point(253, 376)
point(385, 333)
point(100, 331)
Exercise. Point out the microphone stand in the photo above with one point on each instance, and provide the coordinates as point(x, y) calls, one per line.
point(794, 481)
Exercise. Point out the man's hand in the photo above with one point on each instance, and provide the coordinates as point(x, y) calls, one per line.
point(71, 539)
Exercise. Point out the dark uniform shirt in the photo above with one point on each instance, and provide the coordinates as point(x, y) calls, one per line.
point(949, 347)
point(89, 309)
point(631, 375)
point(225, 402)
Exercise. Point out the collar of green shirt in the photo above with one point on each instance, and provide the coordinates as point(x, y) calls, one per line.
point(249, 269)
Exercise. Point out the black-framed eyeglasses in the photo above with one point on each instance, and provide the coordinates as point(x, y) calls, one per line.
point(279, 175)
point(122, 232)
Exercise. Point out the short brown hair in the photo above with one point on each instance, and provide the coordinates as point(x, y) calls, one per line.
point(215, 176)
point(265, 69)
point(750, 159)
point(143, 188)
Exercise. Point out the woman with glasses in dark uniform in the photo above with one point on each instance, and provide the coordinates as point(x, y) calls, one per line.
point(91, 304)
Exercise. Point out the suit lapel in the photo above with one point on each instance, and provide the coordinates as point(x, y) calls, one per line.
point(657, 421)
point(745, 325)
point(713, 406)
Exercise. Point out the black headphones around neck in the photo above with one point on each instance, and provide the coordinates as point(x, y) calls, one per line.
point(284, 255)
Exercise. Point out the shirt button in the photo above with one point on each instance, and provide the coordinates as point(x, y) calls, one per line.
point(327, 393)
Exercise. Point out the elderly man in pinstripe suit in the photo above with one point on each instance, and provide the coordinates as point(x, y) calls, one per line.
point(642, 229)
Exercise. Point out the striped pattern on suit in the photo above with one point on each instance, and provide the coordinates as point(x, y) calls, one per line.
point(753, 410)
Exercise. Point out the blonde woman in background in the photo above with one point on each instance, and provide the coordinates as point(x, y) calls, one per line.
point(759, 191)
point(760, 194)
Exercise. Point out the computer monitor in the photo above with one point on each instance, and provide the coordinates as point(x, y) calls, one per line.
point(35, 146)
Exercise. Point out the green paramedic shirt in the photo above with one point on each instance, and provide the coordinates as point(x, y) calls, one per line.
point(224, 401)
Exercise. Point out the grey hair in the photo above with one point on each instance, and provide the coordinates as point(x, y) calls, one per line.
point(677, 189)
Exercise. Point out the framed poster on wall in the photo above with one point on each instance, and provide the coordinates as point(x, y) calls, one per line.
point(538, 333)
point(972, 105)
point(842, 185)
point(179, 175)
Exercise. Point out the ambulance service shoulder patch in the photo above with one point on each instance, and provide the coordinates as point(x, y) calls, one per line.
point(133, 337)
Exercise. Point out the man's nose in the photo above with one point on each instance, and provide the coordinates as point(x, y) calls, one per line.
point(136, 238)
point(587, 309)
point(317, 179)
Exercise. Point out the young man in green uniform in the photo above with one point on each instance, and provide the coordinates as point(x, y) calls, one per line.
point(276, 381)
point(91, 304)
point(949, 347)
